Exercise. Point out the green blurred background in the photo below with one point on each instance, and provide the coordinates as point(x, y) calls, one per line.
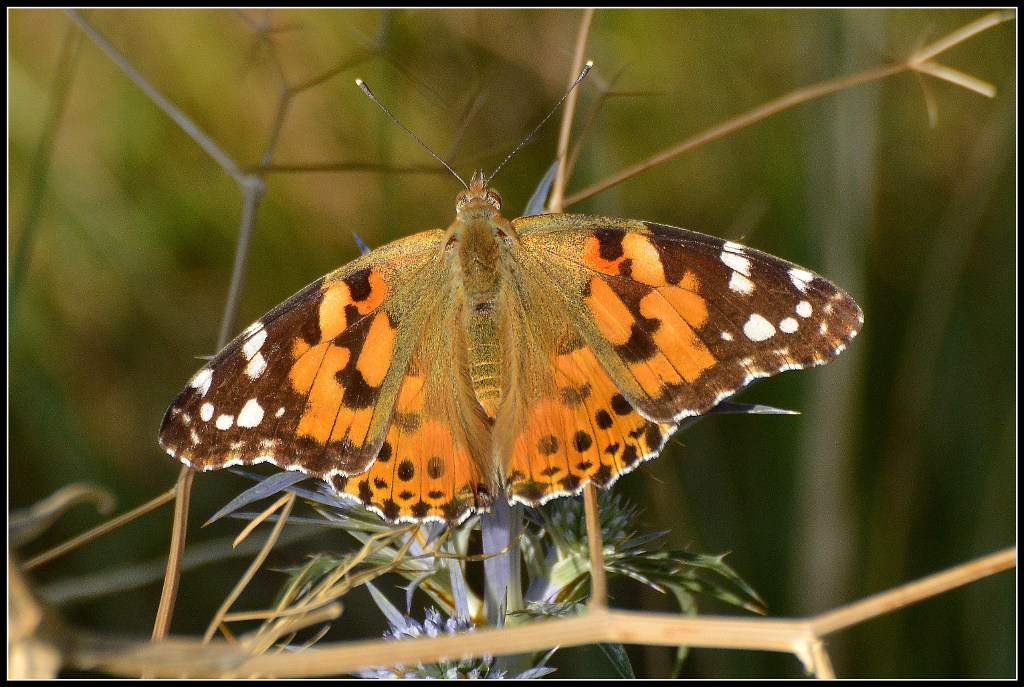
point(122, 232)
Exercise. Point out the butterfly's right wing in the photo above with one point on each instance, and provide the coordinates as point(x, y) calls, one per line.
point(623, 328)
point(681, 320)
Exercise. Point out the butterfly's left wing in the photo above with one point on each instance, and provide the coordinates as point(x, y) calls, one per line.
point(312, 385)
point(433, 462)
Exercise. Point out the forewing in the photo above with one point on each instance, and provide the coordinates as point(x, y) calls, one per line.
point(680, 320)
point(312, 385)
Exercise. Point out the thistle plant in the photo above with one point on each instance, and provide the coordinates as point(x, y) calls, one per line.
point(535, 563)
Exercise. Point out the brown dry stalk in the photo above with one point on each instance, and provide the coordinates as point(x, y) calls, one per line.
point(919, 62)
point(801, 637)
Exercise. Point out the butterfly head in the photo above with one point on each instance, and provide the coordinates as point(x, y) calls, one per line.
point(478, 228)
point(478, 196)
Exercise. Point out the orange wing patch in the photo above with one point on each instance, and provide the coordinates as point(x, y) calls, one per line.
point(652, 323)
point(587, 432)
point(421, 472)
point(655, 334)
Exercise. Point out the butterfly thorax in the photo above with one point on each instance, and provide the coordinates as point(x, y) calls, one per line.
point(478, 233)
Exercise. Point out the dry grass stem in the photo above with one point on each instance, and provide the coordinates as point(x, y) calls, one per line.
point(801, 637)
point(286, 502)
point(99, 530)
point(176, 552)
point(918, 62)
point(562, 153)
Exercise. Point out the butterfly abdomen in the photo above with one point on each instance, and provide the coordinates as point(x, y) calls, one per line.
point(478, 263)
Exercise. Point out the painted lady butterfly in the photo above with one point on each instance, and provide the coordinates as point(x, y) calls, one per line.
point(499, 359)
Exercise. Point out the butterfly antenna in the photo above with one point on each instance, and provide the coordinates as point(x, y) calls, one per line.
point(586, 70)
point(366, 90)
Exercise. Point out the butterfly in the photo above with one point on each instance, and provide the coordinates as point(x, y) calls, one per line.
point(501, 359)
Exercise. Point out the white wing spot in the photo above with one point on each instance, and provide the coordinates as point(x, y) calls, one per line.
point(256, 366)
point(726, 336)
point(225, 421)
point(253, 345)
point(741, 284)
point(823, 328)
point(251, 414)
point(758, 329)
point(202, 381)
point(789, 325)
point(194, 436)
point(732, 258)
point(253, 328)
point(804, 309)
point(206, 411)
point(800, 278)
point(280, 412)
